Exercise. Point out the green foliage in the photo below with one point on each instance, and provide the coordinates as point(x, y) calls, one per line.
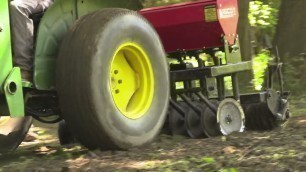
point(260, 64)
point(187, 164)
point(208, 160)
point(263, 16)
point(228, 170)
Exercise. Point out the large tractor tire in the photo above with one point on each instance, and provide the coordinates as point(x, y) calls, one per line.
point(113, 80)
point(12, 132)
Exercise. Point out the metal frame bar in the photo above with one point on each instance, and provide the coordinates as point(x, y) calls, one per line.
point(181, 73)
point(215, 71)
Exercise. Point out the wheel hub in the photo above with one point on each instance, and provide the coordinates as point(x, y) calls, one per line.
point(131, 80)
point(228, 119)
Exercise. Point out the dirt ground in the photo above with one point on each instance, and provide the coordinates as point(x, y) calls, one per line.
point(283, 149)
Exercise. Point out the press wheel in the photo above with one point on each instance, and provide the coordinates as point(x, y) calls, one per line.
point(230, 116)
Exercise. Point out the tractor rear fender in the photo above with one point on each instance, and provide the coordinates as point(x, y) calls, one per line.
point(54, 25)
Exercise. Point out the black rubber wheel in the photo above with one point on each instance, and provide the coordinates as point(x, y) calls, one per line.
point(177, 121)
point(12, 132)
point(193, 122)
point(65, 136)
point(86, 80)
point(209, 122)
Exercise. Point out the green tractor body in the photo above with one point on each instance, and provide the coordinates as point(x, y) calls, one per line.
point(10, 79)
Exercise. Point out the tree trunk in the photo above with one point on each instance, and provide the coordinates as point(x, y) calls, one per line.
point(244, 32)
point(290, 39)
point(290, 33)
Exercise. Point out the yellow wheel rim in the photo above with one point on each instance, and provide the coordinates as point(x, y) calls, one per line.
point(131, 80)
point(4, 120)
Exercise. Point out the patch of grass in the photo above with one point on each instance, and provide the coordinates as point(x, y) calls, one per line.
point(188, 163)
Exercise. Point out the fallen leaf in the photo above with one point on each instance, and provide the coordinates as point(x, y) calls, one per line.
point(302, 121)
point(42, 149)
point(230, 150)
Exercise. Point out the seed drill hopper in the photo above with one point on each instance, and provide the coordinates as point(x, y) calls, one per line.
point(202, 106)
